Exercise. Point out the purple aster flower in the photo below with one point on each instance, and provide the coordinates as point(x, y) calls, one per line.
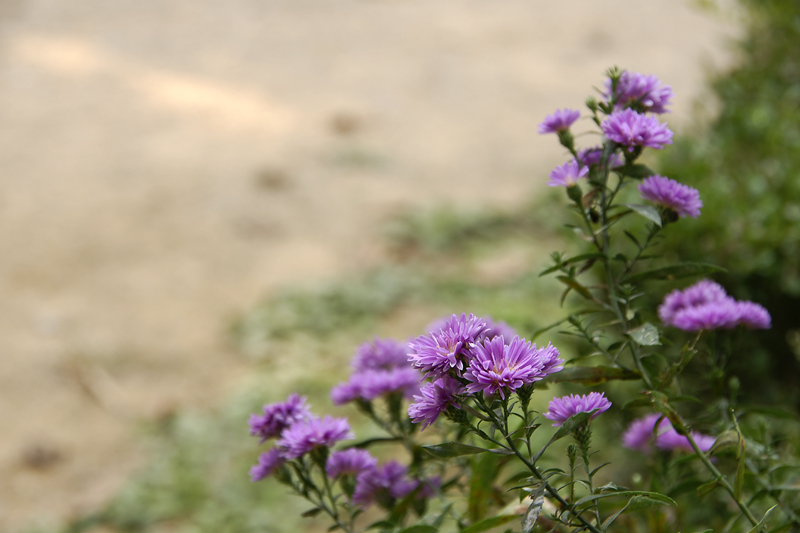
point(681, 198)
point(642, 434)
point(497, 367)
point(438, 352)
point(550, 361)
point(382, 485)
point(561, 120)
point(303, 437)
point(567, 175)
point(753, 316)
point(713, 315)
point(429, 487)
point(702, 292)
point(631, 129)
point(380, 354)
point(347, 392)
point(279, 416)
point(349, 462)
point(268, 462)
point(376, 383)
point(433, 399)
point(592, 156)
point(560, 409)
point(640, 91)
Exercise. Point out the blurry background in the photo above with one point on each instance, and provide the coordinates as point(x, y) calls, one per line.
point(167, 165)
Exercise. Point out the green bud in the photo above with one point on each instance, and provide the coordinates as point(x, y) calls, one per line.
point(575, 194)
point(566, 139)
point(456, 415)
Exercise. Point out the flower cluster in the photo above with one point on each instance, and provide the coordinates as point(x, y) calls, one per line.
point(379, 368)
point(656, 429)
point(682, 199)
point(298, 432)
point(631, 129)
point(467, 356)
point(640, 92)
point(705, 305)
point(559, 121)
point(560, 409)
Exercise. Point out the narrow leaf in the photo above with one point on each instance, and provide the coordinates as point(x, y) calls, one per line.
point(572, 283)
point(647, 211)
point(763, 521)
point(637, 171)
point(532, 514)
point(419, 528)
point(490, 523)
point(311, 512)
point(653, 495)
point(593, 375)
point(456, 449)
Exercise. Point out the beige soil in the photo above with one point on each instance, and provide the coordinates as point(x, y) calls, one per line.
point(167, 163)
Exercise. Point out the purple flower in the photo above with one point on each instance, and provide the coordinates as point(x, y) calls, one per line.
point(643, 92)
point(376, 383)
point(705, 305)
point(629, 128)
point(642, 434)
point(560, 409)
point(592, 156)
point(561, 120)
point(567, 175)
point(497, 367)
point(349, 462)
point(682, 199)
point(703, 292)
point(753, 316)
point(721, 314)
point(303, 437)
point(380, 354)
point(279, 416)
point(438, 352)
point(433, 399)
point(382, 485)
point(550, 361)
point(268, 462)
point(346, 392)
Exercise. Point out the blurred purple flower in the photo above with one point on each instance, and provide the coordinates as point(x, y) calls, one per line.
point(641, 91)
point(702, 292)
point(279, 416)
point(303, 437)
point(642, 434)
point(753, 315)
point(721, 314)
point(376, 383)
point(349, 462)
point(268, 462)
point(560, 409)
point(592, 156)
point(497, 367)
point(561, 120)
point(438, 352)
point(631, 129)
point(382, 485)
point(682, 199)
point(433, 399)
point(347, 392)
point(380, 354)
point(498, 328)
point(567, 175)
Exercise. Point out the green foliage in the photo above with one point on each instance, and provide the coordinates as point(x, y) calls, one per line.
point(746, 165)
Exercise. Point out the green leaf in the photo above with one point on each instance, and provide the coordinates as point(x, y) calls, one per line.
point(774, 412)
point(484, 471)
point(419, 528)
point(739, 481)
point(369, 442)
point(456, 449)
point(758, 527)
point(637, 171)
point(645, 335)
point(654, 495)
point(592, 375)
point(572, 283)
point(647, 211)
point(311, 512)
point(638, 503)
point(705, 488)
point(572, 260)
point(532, 514)
point(490, 523)
point(681, 270)
point(570, 424)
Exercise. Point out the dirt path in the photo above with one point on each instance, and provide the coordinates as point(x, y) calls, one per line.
point(165, 164)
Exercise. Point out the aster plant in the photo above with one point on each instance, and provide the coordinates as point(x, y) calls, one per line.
point(454, 404)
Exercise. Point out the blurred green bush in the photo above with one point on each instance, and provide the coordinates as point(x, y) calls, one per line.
point(746, 165)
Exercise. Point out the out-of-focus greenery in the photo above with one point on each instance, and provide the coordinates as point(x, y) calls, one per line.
point(746, 165)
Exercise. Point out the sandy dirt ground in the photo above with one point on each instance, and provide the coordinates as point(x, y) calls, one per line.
point(167, 163)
